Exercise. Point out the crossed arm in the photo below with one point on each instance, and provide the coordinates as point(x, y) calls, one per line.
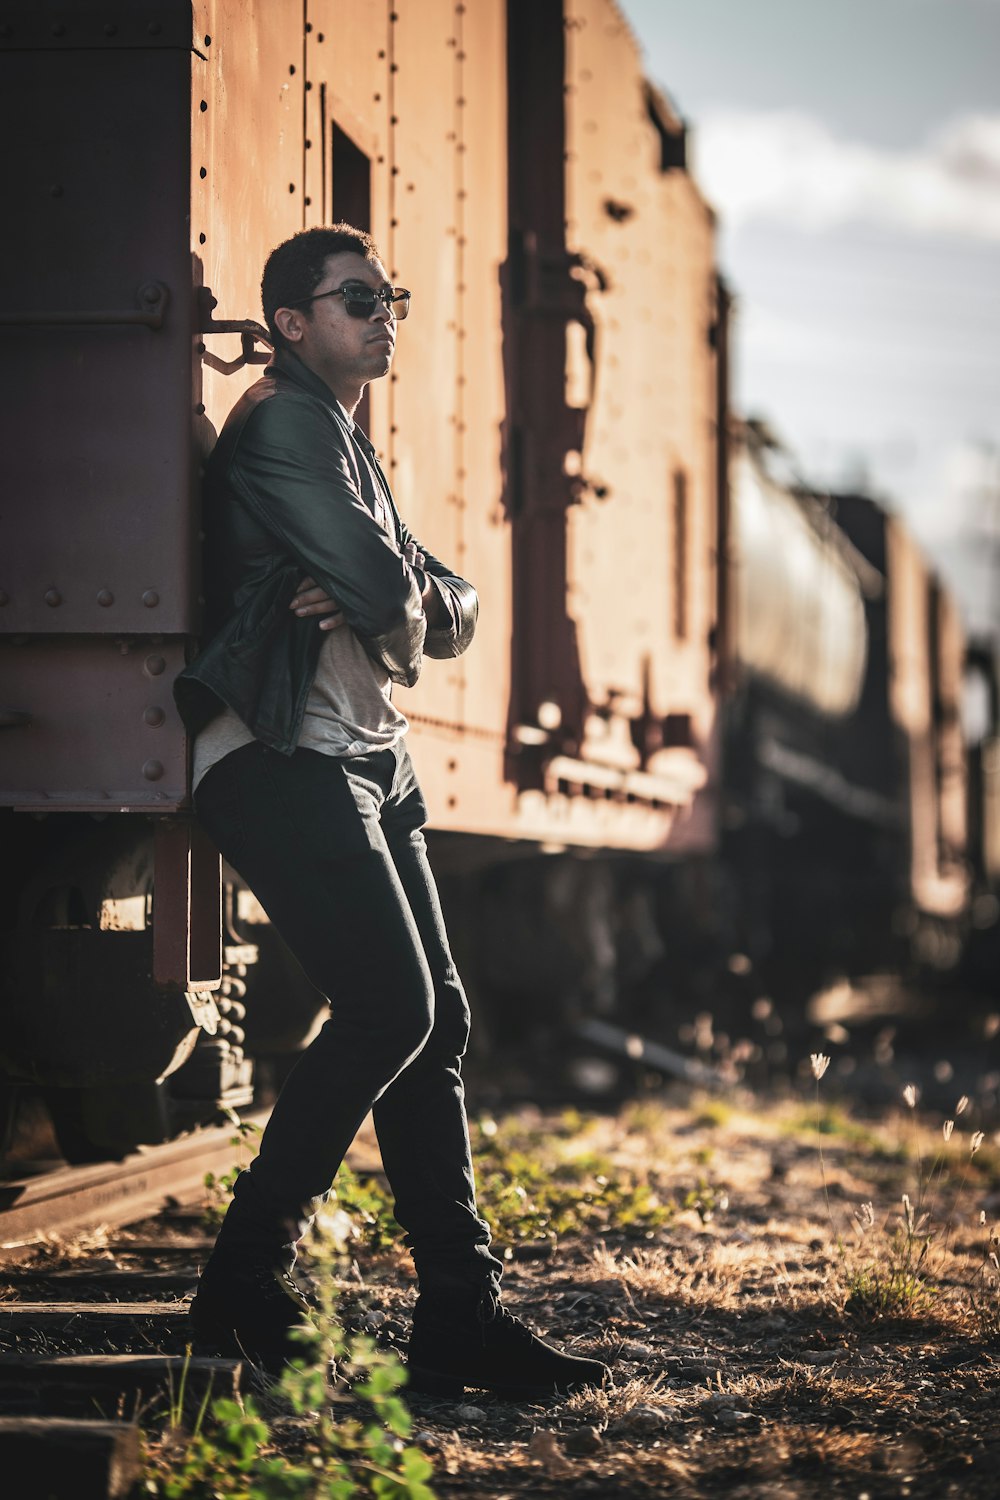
point(295, 479)
point(312, 599)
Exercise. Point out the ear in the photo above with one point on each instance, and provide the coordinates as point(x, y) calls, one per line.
point(289, 323)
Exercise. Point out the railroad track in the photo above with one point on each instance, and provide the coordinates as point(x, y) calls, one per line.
point(92, 1337)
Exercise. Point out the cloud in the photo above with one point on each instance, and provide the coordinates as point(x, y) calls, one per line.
point(789, 167)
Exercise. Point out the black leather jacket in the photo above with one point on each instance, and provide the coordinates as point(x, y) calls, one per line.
point(285, 496)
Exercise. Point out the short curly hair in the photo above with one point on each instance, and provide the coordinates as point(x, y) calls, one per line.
point(295, 268)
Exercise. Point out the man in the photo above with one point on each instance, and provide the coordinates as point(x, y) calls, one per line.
point(303, 779)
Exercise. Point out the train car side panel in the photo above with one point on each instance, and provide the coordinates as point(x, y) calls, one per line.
point(247, 184)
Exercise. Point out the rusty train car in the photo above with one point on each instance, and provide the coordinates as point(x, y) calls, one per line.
point(556, 424)
point(847, 822)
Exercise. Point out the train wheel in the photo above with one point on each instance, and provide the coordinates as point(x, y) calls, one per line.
point(107, 1123)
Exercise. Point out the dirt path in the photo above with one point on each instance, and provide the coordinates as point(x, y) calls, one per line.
point(750, 1356)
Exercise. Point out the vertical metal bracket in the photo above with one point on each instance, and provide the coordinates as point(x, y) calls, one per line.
point(187, 914)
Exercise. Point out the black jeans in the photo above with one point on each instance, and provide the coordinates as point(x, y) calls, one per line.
point(334, 852)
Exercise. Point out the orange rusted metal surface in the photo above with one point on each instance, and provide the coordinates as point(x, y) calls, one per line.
point(536, 434)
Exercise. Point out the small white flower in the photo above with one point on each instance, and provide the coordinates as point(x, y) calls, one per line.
point(982, 1216)
point(962, 1105)
point(865, 1216)
point(819, 1064)
point(976, 1142)
point(908, 1211)
point(947, 1128)
point(910, 1095)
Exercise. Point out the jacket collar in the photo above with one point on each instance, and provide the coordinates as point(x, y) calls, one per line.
point(288, 367)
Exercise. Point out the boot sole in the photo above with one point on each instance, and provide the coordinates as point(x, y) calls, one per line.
point(423, 1382)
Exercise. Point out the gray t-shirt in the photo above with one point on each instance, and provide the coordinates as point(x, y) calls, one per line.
point(349, 710)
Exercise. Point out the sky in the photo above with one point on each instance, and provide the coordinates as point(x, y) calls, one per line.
point(852, 152)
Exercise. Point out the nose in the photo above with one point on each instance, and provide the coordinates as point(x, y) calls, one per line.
point(381, 312)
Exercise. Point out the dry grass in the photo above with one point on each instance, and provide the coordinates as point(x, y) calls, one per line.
point(743, 1367)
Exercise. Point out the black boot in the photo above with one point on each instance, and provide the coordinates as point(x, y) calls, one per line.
point(460, 1341)
point(249, 1308)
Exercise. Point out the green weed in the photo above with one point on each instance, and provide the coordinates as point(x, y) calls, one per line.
point(246, 1142)
point(233, 1452)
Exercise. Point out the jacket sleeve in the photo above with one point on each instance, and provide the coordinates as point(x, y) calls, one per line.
point(460, 601)
point(292, 472)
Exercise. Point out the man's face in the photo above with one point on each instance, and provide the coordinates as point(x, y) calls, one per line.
point(347, 352)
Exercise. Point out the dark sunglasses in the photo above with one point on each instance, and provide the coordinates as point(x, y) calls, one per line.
point(360, 300)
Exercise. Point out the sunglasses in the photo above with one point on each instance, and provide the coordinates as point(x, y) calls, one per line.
point(360, 299)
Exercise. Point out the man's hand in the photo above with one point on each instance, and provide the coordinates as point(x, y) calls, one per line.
point(310, 599)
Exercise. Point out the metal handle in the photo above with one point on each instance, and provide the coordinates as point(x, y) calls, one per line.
point(12, 718)
point(152, 298)
point(251, 333)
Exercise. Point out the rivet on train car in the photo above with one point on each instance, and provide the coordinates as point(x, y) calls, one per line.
point(393, 15)
point(320, 37)
point(309, 145)
point(202, 171)
point(105, 597)
point(202, 238)
point(394, 67)
point(154, 716)
point(152, 770)
point(53, 597)
point(393, 119)
point(199, 409)
point(291, 187)
point(307, 202)
point(150, 598)
point(154, 665)
point(308, 84)
point(208, 41)
point(203, 105)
